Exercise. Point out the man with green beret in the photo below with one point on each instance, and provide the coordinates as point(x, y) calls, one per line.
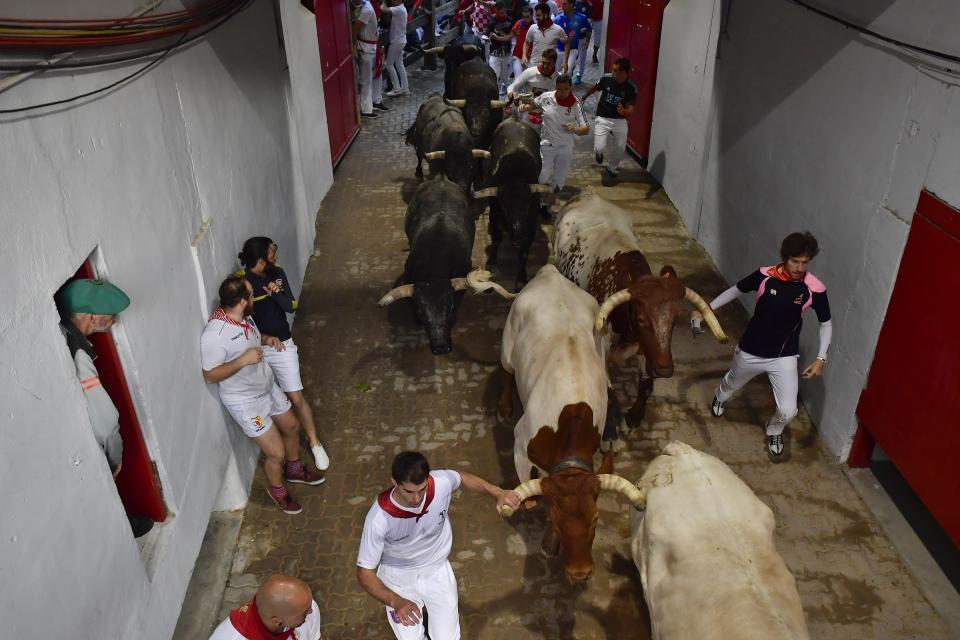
point(88, 307)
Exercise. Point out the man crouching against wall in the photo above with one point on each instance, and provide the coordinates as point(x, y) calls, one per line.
point(407, 534)
point(231, 356)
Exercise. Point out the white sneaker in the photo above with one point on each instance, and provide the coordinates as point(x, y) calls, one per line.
point(320, 457)
point(397, 92)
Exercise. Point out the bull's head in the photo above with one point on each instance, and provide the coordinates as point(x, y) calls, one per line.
point(654, 304)
point(482, 116)
point(519, 204)
point(457, 160)
point(572, 488)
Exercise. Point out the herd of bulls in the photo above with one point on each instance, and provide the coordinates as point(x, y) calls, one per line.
point(598, 301)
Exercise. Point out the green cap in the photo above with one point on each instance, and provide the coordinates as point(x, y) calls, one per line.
point(93, 296)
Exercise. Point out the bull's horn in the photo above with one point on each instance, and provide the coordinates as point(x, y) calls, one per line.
point(498, 104)
point(435, 155)
point(489, 192)
point(458, 103)
point(612, 482)
point(609, 305)
point(527, 490)
point(433, 51)
point(481, 153)
point(541, 188)
point(700, 304)
point(403, 291)
point(479, 281)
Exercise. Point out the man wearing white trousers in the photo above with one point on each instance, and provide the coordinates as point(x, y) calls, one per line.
point(562, 120)
point(365, 32)
point(406, 541)
point(618, 101)
point(771, 343)
point(398, 40)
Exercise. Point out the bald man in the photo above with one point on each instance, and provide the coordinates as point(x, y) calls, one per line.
point(283, 608)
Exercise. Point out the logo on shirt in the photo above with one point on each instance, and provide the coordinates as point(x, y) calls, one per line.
point(773, 292)
point(798, 299)
point(257, 423)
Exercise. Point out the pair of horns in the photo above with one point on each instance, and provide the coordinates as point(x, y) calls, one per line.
point(460, 103)
point(490, 192)
point(476, 281)
point(608, 482)
point(440, 155)
point(690, 295)
point(436, 51)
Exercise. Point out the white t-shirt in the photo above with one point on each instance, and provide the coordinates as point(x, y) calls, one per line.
point(555, 116)
point(398, 24)
point(542, 40)
point(410, 542)
point(309, 630)
point(222, 342)
point(370, 30)
point(531, 78)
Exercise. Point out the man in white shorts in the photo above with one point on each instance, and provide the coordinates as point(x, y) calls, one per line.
point(231, 355)
point(406, 540)
point(283, 608)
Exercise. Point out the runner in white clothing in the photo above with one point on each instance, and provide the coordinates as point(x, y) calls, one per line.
point(398, 40)
point(282, 609)
point(562, 119)
point(231, 355)
point(406, 539)
point(543, 35)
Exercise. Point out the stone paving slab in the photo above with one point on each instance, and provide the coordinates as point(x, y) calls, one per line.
point(376, 390)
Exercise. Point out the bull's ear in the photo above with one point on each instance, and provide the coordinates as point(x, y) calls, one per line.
point(542, 448)
point(668, 272)
point(606, 464)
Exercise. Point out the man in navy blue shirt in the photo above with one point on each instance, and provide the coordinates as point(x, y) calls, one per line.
point(577, 27)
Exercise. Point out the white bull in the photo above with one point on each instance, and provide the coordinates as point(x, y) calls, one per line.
point(704, 548)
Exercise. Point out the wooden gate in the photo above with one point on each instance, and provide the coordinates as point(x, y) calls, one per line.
point(911, 404)
point(634, 33)
point(339, 81)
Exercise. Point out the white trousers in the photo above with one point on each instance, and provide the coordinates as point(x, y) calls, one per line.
point(517, 67)
point(433, 588)
point(501, 66)
point(597, 36)
point(393, 64)
point(556, 163)
point(366, 81)
point(610, 139)
point(571, 61)
point(782, 373)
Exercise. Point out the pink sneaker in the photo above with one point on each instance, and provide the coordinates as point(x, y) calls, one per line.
point(284, 500)
point(301, 474)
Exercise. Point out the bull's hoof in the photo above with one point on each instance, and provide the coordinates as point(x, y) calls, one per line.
point(505, 409)
point(634, 418)
point(550, 545)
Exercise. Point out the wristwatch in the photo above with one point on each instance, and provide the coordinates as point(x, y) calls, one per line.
point(822, 359)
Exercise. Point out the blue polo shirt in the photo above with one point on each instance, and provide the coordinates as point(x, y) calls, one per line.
point(575, 27)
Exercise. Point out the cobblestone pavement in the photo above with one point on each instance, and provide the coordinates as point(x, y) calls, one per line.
point(376, 389)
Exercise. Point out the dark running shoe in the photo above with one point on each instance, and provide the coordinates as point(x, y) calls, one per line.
point(775, 445)
point(598, 157)
point(302, 474)
point(716, 407)
point(370, 115)
point(379, 106)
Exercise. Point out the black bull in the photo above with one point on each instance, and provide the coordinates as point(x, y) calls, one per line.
point(440, 229)
point(440, 135)
point(511, 180)
point(454, 54)
point(476, 92)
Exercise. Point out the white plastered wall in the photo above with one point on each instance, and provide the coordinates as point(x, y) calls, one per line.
point(131, 176)
point(805, 125)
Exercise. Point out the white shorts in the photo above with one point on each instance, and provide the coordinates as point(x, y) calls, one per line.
point(285, 365)
point(255, 417)
point(434, 588)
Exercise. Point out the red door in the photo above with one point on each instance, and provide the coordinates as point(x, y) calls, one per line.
point(634, 33)
point(911, 404)
point(339, 83)
point(137, 482)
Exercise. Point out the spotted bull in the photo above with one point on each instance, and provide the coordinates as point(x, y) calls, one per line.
point(551, 351)
point(440, 136)
point(704, 548)
point(596, 248)
point(511, 178)
point(475, 91)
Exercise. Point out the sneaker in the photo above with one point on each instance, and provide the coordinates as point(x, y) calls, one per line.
point(370, 115)
point(140, 525)
point(576, 79)
point(775, 444)
point(395, 93)
point(608, 178)
point(320, 457)
point(284, 500)
point(598, 157)
point(302, 474)
point(716, 408)
point(379, 106)
point(595, 60)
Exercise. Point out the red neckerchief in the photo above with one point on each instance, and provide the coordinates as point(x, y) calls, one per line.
point(247, 621)
point(393, 510)
point(220, 314)
point(549, 24)
point(567, 102)
point(779, 273)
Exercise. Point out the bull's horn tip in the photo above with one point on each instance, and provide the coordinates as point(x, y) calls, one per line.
point(506, 511)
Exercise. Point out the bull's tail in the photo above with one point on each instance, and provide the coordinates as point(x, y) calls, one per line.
point(408, 134)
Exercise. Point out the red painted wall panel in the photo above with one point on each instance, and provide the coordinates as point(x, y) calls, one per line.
point(339, 83)
point(911, 404)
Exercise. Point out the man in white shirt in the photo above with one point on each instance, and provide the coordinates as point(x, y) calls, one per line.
point(231, 356)
point(405, 543)
point(536, 80)
point(398, 40)
point(366, 31)
point(562, 119)
point(543, 35)
point(282, 609)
